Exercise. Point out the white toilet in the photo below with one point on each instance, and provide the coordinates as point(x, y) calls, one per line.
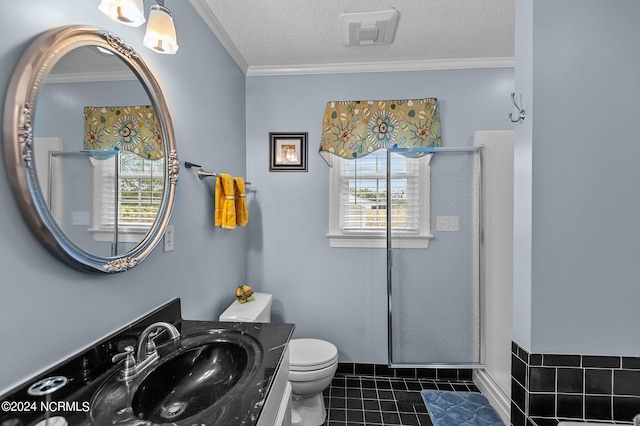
point(312, 362)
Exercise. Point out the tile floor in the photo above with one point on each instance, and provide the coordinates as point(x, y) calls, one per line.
point(373, 400)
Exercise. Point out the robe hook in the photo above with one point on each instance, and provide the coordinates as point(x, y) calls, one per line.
point(189, 164)
point(521, 112)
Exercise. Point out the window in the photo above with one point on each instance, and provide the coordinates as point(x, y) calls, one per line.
point(358, 201)
point(131, 186)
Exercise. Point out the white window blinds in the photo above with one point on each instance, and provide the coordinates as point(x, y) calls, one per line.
point(358, 200)
point(133, 192)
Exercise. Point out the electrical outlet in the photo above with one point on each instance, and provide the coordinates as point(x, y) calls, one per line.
point(168, 238)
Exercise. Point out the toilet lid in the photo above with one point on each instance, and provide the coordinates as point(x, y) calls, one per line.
point(311, 354)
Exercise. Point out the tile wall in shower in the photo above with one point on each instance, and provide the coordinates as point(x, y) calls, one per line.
point(546, 388)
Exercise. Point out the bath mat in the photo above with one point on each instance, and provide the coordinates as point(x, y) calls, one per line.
point(448, 408)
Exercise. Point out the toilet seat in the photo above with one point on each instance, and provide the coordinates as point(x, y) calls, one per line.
point(311, 354)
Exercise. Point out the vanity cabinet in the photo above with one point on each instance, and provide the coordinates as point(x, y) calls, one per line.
point(261, 397)
point(277, 408)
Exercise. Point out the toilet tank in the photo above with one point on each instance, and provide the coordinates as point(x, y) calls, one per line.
point(258, 310)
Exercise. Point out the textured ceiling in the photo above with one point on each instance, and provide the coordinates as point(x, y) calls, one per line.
point(268, 36)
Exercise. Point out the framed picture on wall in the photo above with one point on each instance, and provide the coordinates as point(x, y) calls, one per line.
point(288, 152)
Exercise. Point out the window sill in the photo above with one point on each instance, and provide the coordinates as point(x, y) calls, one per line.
point(126, 235)
point(377, 241)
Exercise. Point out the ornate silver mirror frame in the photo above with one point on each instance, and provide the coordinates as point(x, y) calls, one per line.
point(22, 95)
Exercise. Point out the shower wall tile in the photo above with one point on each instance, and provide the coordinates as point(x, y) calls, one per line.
point(570, 380)
point(542, 379)
point(598, 382)
point(548, 388)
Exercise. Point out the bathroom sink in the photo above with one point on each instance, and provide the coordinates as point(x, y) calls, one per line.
point(192, 382)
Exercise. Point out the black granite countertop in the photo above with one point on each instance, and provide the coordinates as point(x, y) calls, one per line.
point(90, 369)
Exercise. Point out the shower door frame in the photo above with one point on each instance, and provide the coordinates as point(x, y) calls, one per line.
point(480, 231)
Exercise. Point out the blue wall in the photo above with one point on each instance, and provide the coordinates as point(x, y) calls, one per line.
point(49, 311)
point(576, 239)
point(334, 293)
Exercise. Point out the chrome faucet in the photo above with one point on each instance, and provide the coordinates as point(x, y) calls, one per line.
point(147, 353)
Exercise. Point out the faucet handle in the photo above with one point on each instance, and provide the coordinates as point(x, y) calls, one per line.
point(127, 355)
point(151, 345)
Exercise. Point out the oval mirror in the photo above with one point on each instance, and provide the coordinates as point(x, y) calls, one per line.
point(89, 149)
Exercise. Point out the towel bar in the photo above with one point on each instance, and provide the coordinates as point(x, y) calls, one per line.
point(202, 174)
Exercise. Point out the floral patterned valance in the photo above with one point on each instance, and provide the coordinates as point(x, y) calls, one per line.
point(129, 128)
point(356, 128)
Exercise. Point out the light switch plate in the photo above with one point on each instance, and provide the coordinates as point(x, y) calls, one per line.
point(448, 223)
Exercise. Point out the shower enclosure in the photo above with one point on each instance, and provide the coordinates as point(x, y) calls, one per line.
point(434, 291)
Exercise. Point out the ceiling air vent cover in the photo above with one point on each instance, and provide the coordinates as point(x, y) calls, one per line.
point(368, 28)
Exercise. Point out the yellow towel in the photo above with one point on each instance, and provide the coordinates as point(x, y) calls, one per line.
point(242, 214)
point(225, 214)
point(219, 202)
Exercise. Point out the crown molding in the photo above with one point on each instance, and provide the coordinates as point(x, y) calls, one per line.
point(214, 25)
point(365, 67)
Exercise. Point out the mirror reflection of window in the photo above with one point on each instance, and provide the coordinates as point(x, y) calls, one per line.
point(127, 197)
point(141, 184)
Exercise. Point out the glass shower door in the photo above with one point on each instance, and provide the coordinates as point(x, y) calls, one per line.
point(434, 292)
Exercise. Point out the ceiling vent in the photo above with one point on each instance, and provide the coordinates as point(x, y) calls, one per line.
point(368, 28)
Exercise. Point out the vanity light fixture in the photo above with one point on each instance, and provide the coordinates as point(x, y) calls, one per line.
point(127, 12)
point(160, 35)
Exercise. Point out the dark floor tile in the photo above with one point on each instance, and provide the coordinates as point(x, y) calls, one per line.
point(372, 417)
point(369, 394)
point(336, 414)
point(353, 382)
point(383, 384)
point(338, 403)
point(425, 420)
point(385, 394)
point(428, 384)
point(354, 393)
point(388, 406)
point(368, 383)
point(413, 385)
point(355, 416)
point(409, 419)
point(339, 381)
point(354, 403)
point(420, 408)
point(371, 404)
point(444, 386)
point(398, 385)
point(355, 400)
point(390, 418)
point(460, 387)
point(338, 392)
point(404, 407)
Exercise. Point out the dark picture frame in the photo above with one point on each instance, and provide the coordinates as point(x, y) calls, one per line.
point(288, 152)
